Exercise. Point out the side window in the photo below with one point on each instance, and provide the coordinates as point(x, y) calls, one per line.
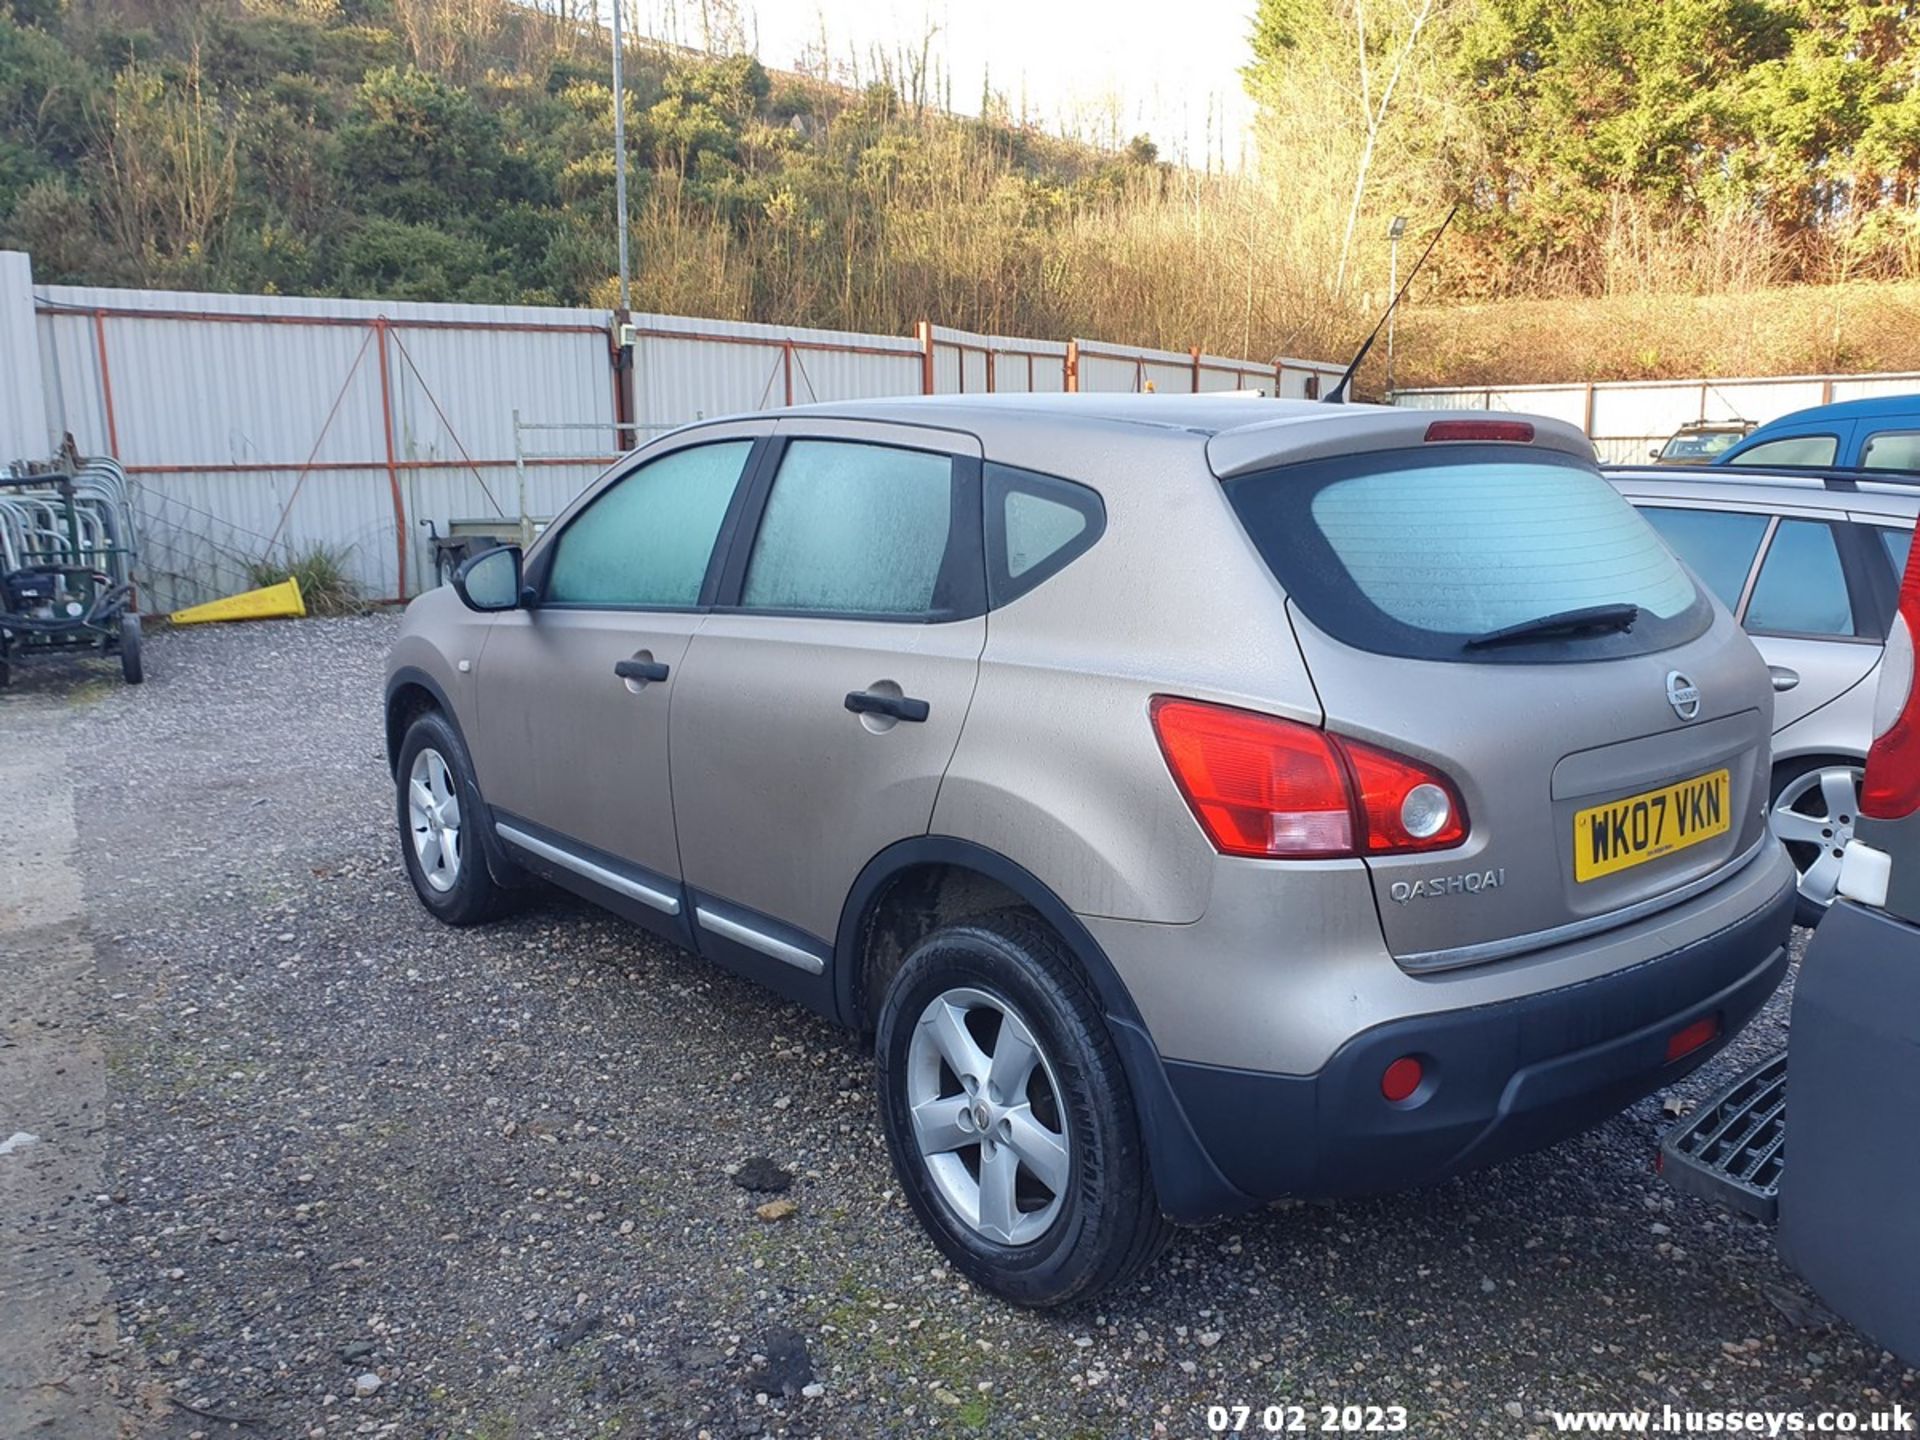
point(1802, 589)
point(1719, 545)
point(647, 539)
point(853, 529)
point(1892, 450)
point(1036, 526)
point(1793, 450)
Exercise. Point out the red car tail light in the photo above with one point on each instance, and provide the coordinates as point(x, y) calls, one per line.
point(1258, 785)
point(1270, 788)
point(1407, 807)
point(1891, 790)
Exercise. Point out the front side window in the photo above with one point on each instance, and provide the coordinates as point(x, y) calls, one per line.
point(1794, 450)
point(1802, 589)
point(1429, 552)
point(646, 540)
point(1892, 450)
point(1694, 446)
point(1718, 544)
point(853, 529)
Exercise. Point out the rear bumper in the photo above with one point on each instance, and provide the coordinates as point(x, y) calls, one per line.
point(1503, 1078)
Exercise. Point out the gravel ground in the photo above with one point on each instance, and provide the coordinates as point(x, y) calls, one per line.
point(367, 1175)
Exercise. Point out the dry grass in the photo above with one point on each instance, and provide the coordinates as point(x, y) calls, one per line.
point(1812, 329)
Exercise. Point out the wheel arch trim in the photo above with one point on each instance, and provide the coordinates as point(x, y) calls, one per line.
point(1190, 1186)
point(400, 679)
point(499, 864)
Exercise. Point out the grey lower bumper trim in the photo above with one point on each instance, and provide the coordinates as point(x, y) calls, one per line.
point(661, 900)
point(758, 940)
point(1426, 961)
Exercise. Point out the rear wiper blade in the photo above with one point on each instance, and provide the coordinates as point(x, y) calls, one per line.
point(1598, 618)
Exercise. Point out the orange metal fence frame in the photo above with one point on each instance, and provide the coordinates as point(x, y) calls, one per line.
point(382, 329)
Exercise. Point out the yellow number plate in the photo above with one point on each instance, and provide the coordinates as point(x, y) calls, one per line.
point(1623, 833)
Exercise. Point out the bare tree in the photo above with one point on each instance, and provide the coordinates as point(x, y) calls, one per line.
point(1374, 110)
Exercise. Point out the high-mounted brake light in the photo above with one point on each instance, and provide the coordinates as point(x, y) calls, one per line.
point(1518, 431)
point(1270, 788)
point(1891, 790)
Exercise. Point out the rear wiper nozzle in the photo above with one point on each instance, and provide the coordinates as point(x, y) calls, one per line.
point(1610, 618)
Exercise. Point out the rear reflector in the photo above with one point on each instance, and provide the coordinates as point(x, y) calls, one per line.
point(1403, 1077)
point(1517, 431)
point(1698, 1035)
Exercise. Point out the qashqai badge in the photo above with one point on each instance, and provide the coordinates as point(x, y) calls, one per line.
point(1683, 695)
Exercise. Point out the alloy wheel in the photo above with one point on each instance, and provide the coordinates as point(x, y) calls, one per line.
point(987, 1116)
point(433, 819)
point(1814, 815)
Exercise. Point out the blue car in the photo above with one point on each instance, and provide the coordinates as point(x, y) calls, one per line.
point(1879, 433)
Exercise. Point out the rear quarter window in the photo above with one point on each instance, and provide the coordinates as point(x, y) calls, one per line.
point(1790, 450)
point(1892, 450)
point(1417, 552)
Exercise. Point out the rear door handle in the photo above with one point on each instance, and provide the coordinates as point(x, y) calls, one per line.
point(900, 707)
point(640, 669)
point(1783, 678)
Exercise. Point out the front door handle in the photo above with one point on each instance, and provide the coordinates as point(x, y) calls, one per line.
point(900, 707)
point(640, 669)
point(1783, 678)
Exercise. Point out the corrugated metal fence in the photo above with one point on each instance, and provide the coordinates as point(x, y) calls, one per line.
point(257, 425)
point(1627, 419)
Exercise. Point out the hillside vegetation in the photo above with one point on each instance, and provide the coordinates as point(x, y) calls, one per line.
point(1644, 187)
point(464, 152)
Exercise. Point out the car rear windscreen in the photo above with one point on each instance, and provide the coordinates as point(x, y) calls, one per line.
point(1421, 552)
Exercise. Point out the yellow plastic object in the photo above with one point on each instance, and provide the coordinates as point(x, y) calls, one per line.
point(275, 602)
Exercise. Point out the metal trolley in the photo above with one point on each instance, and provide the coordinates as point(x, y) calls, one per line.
point(67, 554)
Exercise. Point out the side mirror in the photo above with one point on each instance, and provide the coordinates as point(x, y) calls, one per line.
point(490, 580)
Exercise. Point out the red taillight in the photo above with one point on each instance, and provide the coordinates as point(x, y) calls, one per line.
point(1270, 788)
point(1406, 806)
point(1891, 790)
point(1257, 785)
point(1520, 431)
point(1698, 1035)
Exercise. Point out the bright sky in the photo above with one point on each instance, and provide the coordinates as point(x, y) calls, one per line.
point(1096, 68)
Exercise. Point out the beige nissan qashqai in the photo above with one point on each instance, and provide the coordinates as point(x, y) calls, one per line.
point(1197, 801)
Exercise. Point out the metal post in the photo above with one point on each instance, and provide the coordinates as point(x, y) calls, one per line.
point(926, 357)
point(620, 153)
point(393, 468)
point(520, 475)
point(1395, 229)
point(106, 383)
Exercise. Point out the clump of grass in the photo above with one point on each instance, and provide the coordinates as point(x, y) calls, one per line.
point(325, 582)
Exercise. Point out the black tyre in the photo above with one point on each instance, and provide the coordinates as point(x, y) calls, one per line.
point(131, 670)
point(1816, 806)
point(440, 811)
point(1009, 1117)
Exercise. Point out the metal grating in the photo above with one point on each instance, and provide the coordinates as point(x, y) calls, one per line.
point(1731, 1151)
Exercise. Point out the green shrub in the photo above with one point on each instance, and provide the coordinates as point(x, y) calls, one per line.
point(325, 583)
